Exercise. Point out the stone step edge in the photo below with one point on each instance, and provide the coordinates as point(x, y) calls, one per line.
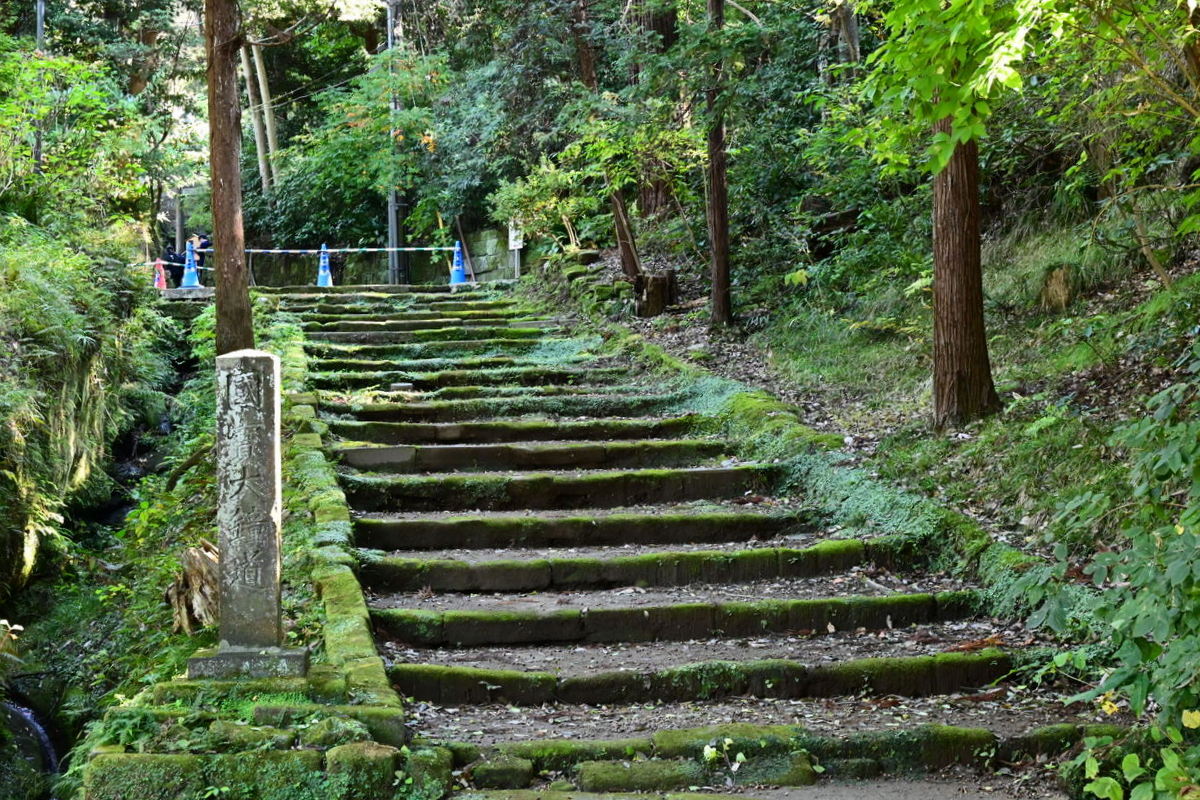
point(672, 568)
point(370, 325)
point(302, 290)
point(664, 524)
point(489, 375)
point(325, 350)
point(436, 334)
point(545, 489)
point(677, 622)
point(918, 748)
point(561, 454)
point(906, 676)
point(605, 428)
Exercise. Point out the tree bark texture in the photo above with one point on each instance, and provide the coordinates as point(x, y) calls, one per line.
point(962, 373)
point(718, 187)
point(654, 194)
point(222, 41)
point(846, 23)
point(631, 262)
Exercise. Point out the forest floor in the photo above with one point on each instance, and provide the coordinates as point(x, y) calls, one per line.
point(1067, 380)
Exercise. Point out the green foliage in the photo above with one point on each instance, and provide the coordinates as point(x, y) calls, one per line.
point(335, 176)
point(80, 364)
point(93, 140)
point(953, 60)
point(1147, 584)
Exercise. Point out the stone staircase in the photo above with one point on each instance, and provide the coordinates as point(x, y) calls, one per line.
point(580, 586)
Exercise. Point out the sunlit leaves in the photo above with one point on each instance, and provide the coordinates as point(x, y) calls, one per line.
point(948, 59)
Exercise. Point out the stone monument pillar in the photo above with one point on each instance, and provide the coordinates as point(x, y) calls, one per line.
point(248, 515)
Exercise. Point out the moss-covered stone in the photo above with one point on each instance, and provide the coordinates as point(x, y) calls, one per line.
point(638, 776)
point(747, 738)
point(271, 775)
point(562, 754)
point(462, 685)
point(922, 747)
point(333, 731)
point(790, 769)
point(233, 736)
point(138, 776)
point(430, 769)
point(503, 772)
point(369, 769)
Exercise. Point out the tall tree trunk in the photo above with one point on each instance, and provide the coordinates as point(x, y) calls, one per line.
point(631, 263)
point(962, 374)
point(260, 139)
point(222, 40)
point(268, 111)
point(849, 45)
point(718, 190)
point(654, 194)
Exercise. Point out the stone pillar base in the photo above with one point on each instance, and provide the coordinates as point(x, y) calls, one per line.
point(248, 662)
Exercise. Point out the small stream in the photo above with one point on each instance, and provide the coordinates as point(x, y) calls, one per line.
point(32, 738)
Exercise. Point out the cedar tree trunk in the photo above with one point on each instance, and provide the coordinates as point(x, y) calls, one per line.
point(222, 41)
point(654, 194)
point(631, 263)
point(962, 375)
point(718, 190)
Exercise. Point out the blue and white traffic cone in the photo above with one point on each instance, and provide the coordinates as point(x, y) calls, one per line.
point(324, 276)
point(458, 272)
point(191, 278)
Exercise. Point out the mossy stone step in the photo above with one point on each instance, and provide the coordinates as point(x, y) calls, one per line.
point(390, 322)
point(532, 455)
point(436, 363)
point(353, 314)
point(600, 405)
point(675, 622)
point(452, 348)
point(515, 375)
point(901, 750)
point(385, 303)
point(536, 490)
point(433, 334)
point(905, 676)
point(662, 525)
point(477, 392)
point(383, 324)
point(512, 430)
point(651, 569)
point(404, 289)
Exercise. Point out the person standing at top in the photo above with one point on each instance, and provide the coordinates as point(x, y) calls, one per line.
point(200, 242)
point(174, 263)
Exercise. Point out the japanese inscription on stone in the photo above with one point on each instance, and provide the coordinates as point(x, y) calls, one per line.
point(248, 511)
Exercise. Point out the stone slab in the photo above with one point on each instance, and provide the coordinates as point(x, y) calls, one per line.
point(272, 662)
point(249, 492)
point(197, 293)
